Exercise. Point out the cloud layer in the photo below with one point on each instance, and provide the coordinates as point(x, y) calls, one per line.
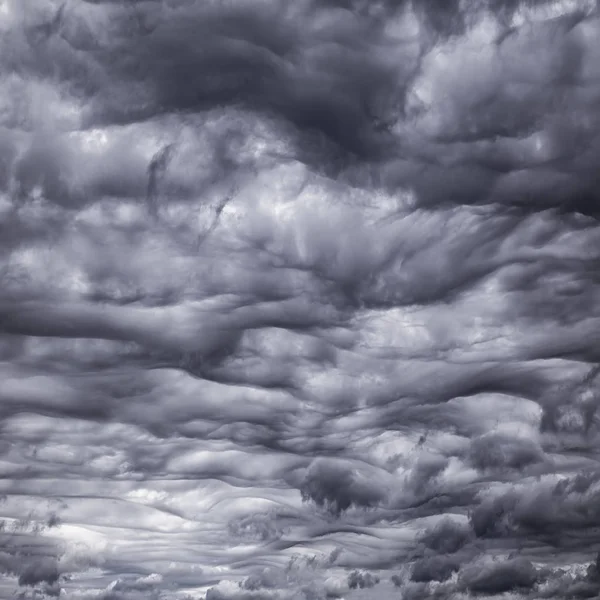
point(299, 300)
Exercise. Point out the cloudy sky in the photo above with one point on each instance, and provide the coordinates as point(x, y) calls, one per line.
point(299, 299)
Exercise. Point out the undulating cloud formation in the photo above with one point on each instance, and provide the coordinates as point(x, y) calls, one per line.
point(299, 299)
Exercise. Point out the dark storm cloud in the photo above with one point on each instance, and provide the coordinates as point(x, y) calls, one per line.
point(344, 74)
point(308, 65)
point(497, 450)
point(436, 568)
point(29, 561)
point(30, 572)
point(298, 300)
point(336, 486)
point(447, 536)
point(500, 577)
point(563, 513)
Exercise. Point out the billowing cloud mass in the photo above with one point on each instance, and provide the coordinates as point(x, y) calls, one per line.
point(299, 299)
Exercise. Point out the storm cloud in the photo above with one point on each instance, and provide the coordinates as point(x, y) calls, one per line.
point(299, 300)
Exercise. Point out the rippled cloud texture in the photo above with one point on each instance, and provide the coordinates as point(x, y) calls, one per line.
point(299, 300)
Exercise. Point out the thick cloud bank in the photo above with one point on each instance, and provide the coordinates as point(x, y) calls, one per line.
point(299, 300)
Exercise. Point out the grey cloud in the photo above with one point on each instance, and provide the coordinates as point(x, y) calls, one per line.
point(546, 509)
point(500, 577)
point(294, 296)
point(39, 571)
point(267, 578)
point(338, 487)
point(30, 560)
point(257, 55)
point(356, 579)
point(258, 526)
point(436, 568)
point(447, 536)
point(498, 450)
point(214, 594)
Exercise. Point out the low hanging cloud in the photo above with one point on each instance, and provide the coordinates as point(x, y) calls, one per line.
point(299, 300)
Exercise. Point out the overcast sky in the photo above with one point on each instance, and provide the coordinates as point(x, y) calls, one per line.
point(299, 299)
